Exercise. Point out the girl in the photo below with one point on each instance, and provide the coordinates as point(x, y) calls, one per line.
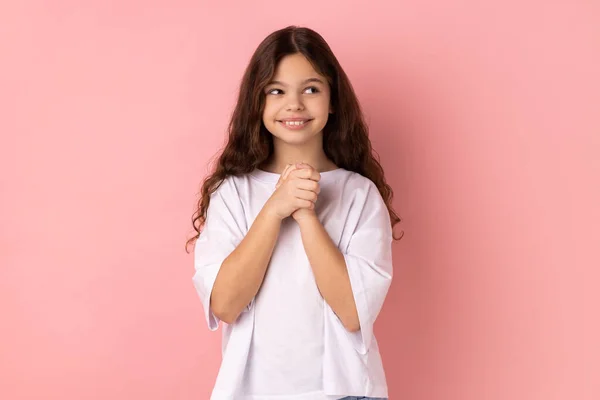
point(295, 252)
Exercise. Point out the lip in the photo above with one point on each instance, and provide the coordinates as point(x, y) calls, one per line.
point(295, 127)
point(294, 119)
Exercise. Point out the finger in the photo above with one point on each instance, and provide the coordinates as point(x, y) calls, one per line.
point(316, 176)
point(286, 169)
point(287, 172)
point(281, 177)
point(306, 195)
point(307, 184)
point(301, 203)
point(303, 165)
point(307, 173)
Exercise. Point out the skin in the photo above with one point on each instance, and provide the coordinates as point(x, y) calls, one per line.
point(301, 212)
point(241, 274)
point(293, 98)
point(327, 262)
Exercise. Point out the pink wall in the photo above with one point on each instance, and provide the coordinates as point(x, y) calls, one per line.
point(486, 117)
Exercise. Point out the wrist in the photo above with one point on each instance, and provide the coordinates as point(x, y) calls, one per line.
point(306, 216)
point(270, 213)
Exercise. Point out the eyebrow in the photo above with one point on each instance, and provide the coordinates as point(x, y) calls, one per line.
point(303, 82)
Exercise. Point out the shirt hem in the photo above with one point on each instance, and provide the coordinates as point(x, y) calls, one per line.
point(339, 393)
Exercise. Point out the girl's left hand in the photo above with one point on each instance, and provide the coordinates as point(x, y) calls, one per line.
point(300, 213)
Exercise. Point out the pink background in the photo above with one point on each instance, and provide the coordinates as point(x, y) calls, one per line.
point(487, 119)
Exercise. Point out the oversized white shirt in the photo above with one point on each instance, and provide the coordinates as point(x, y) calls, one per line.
point(288, 344)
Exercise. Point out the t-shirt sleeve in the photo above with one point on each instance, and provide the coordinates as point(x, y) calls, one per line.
point(368, 257)
point(224, 228)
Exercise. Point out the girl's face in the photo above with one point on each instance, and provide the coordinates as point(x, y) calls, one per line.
point(298, 92)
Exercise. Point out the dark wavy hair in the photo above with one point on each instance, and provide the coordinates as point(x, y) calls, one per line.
point(345, 136)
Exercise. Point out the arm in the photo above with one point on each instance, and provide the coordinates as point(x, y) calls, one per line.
point(329, 269)
point(230, 260)
point(243, 271)
point(365, 266)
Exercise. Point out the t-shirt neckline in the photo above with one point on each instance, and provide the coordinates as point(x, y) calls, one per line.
point(326, 176)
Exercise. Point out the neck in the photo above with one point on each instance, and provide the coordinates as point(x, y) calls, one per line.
point(310, 153)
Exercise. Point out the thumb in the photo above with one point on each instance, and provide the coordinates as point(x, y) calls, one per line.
point(302, 165)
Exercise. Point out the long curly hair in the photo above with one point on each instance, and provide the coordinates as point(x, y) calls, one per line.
point(345, 136)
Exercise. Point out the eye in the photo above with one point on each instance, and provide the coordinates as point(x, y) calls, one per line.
point(314, 88)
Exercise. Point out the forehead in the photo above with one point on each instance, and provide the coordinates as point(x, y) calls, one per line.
point(295, 68)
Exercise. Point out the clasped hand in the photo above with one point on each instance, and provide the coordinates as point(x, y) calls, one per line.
point(296, 192)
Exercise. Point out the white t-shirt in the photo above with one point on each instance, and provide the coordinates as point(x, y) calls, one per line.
point(288, 344)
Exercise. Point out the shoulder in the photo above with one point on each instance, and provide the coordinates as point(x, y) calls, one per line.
point(359, 187)
point(227, 195)
point(229, 187)
point(366, 203)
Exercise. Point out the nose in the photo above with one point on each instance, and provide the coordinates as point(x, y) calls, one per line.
point(294, 102)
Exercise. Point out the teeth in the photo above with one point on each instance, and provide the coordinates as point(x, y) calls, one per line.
point(294, 122)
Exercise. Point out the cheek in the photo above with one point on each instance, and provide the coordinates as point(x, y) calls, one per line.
point(322, 100)
point(269, 111)
point(323, 106)
point(267, 115)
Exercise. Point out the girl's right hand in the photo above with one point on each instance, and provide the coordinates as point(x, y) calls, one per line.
point(299, 190)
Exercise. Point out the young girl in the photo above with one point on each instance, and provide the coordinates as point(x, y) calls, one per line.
point(295, 252)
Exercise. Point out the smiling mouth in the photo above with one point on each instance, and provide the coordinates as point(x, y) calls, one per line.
point(295, 123)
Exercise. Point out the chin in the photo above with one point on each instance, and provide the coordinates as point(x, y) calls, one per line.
point(296, 140)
